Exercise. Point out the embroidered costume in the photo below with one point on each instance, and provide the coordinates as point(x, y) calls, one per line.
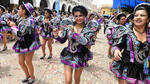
point(28, 39)
point(46, 29)
point(76, 54)
point(135, 53)
point(3, 23)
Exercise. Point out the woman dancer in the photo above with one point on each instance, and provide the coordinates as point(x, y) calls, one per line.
point(46, 33)
point(3, 26)
point(129, 65)
point(121, 18)
point(27, 40)
point(76, 54)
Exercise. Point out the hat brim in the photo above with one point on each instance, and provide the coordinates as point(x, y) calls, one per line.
point(48, 10)
point(26, 8)
point(3, 8)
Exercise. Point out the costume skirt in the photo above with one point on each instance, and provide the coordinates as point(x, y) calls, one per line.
point(4, 28)
point(76, 60)
point(131, 72)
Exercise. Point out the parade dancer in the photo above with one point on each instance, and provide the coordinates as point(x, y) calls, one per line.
point(111, 20)
point(46, 33)
point(111, 24)
point(27, 40)
point(76, 55)
point(115, 28)
point(131, 58)
point(71, 17)
point(54, 13)
point(129, 20)
point(121, 19)
point(99, 20)
point(39, 20)
point(14, 16)
point(3, 26)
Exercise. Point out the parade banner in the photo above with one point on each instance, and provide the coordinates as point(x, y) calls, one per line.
point(57, 5)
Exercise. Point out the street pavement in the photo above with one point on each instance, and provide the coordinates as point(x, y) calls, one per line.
point(51, 71)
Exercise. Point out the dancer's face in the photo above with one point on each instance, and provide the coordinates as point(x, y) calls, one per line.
point(140, 18)
point(34, 15)
point(122, 20)
point(46, 14)
point(54, 13)
point(13, 12)
point(79, 17)
point(21, 12)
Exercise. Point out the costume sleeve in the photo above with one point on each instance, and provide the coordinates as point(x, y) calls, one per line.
point(84, 38)
point(119, 41)
point(3, 20)
point(24, 27)
point(88, 33)
point(56, 22)
point(63, 37)
point(66, 22)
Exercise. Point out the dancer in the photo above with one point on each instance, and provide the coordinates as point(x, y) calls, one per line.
point(111, 24)
point(27, 40)
point(131, 66)
point(76, 55)
point(3, 26)
point(46, 33)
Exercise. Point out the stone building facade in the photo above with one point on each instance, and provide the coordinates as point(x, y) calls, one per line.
point(65, 5)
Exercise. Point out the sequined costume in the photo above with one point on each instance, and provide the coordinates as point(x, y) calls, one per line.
point(3, 23)
point(46, 29)
point(28, 39)
point(76, 54)
point(133, 64)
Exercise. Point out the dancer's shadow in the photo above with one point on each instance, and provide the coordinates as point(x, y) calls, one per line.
point(4, 71)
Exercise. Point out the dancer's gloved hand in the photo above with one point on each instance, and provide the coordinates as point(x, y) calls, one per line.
point(117, 55)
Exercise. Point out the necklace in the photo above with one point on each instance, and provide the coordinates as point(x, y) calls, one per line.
point(139, 31)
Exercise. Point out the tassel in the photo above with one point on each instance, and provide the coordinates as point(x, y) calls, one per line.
point(146, 66)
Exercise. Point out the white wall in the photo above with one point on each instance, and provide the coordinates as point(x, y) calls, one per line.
point(14, 1)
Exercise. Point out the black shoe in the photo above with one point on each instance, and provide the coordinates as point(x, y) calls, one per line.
point(4, 49)
point(31, 81)
point(42, 57)
point(49, 57)
point(25, 80)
